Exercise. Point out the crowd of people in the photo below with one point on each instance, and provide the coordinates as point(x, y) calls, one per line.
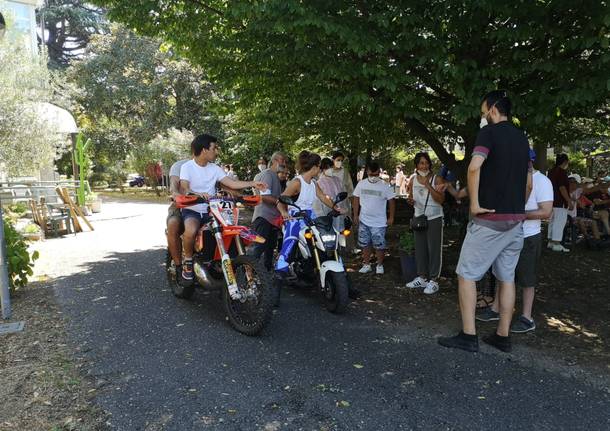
point(507, 201)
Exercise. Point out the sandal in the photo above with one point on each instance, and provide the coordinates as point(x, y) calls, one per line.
point(484, 301)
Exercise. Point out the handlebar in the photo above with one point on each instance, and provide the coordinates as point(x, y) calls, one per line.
point(190, 199)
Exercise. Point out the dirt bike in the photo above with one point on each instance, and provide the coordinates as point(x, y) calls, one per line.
point(316, 259)
point(247, 291)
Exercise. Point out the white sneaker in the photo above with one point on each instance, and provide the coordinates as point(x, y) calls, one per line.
point(431, 287)
point(379, 270)
point(559, 247)
point(366, 268)
point(417, 283)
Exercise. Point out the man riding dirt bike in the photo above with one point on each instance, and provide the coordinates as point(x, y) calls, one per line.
point(247, 291)
point(199, 176)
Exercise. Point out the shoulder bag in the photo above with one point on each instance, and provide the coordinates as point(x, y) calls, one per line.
point(420, 223)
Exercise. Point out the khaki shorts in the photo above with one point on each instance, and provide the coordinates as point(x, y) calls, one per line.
point(485, 247)
point(172, 211)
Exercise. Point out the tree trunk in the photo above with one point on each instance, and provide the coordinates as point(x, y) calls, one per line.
point(541, 162)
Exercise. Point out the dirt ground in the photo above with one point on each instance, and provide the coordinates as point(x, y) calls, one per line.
point(42, 386)
point(571, 309)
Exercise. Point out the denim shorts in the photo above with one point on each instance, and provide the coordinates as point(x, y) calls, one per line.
point(374, 236)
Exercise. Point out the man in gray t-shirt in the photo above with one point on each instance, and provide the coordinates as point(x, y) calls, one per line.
point(266, 214)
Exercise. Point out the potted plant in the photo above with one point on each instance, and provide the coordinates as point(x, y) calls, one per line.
point(406, 248)
point(93, 202)
point(32, 232)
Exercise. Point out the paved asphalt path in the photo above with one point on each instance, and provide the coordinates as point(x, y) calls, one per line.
point(163, 363)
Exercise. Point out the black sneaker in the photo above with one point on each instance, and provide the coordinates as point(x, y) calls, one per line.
point(522, 325)
point(499, 342)
point(462, 341)
point(487, 314)
point(187, 275)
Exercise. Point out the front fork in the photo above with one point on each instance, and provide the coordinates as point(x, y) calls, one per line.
point(227, 266)
point(316, 256)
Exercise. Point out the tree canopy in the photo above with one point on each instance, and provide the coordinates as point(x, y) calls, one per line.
point(27, 141)
point(131, 89)
point(393, 70)
point(69, 25)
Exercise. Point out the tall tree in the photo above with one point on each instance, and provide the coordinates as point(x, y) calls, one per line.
point(416, 66)
point(27, 141)
point(69, 25)
point(130, 89)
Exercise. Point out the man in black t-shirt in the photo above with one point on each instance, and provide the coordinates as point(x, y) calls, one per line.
point(499, 182)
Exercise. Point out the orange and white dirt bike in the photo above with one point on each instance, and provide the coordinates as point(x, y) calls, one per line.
point(247, 291)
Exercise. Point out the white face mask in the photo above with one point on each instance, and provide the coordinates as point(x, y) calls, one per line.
point(338, 164)
point(483, 122)
point(422, 173)
point(262, 167)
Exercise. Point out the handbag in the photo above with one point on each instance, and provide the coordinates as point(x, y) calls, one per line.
point(420, 223)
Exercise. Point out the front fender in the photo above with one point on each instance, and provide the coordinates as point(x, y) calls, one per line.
point(332, 266)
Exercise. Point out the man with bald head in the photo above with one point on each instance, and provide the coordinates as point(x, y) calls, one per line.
point(266, 214)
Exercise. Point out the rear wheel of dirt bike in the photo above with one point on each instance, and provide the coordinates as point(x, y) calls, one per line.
point(251, 316)
point(184, 292)
point(336, 293)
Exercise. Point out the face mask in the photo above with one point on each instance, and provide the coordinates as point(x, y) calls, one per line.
point(338, 164)
point(329, 172)
point(483, 122)
point(262, 167)
point(423, 173)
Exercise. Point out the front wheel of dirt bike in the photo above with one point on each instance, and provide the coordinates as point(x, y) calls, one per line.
point(183, 292)
point(252, 315)
point(336, 294)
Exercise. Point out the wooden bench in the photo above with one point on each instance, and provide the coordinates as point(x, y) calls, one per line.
point(53, 219)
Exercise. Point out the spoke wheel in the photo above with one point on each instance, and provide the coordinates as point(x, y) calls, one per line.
point(250, 315)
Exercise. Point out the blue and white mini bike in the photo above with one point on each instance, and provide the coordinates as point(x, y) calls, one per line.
point(316, 260)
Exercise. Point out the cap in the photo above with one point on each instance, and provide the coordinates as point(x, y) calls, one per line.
point(587, 180)
point(575, 177)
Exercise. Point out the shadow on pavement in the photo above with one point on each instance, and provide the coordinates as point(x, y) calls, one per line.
point(164, 363)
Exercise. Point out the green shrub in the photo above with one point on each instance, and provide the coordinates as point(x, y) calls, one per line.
point(100, 184)
point(20, 262)
point(19, 208)
point(31, 228)
point(406, 241)
point(90, 197)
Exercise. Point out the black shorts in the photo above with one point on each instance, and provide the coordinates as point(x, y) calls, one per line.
point(526, 273)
